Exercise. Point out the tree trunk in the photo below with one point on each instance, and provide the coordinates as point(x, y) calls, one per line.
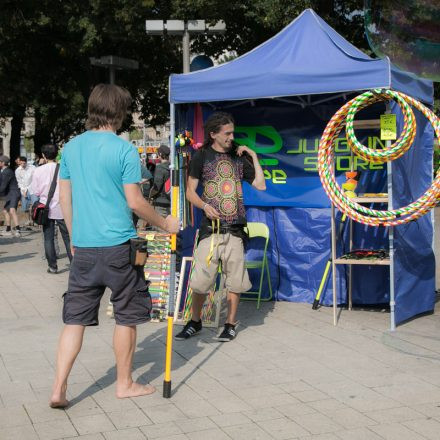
point(16, 126)
point(42, 134)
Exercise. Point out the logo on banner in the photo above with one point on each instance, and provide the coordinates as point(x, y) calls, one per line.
point(265, 140)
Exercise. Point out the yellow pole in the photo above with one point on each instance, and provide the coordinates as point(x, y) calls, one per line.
point(170, 319)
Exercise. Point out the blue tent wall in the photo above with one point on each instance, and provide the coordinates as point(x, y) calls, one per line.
point(414, 258)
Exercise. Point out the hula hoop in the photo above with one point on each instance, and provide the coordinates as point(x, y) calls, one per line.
point(326, 153)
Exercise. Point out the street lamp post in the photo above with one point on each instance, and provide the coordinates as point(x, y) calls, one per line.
point(183, 28)
point(113, 63)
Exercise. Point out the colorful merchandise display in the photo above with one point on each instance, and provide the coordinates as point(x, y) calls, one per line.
point(157, 272)
point(345, 117)
point(184, 144)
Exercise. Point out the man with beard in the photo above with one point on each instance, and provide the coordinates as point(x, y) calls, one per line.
point(220, 166)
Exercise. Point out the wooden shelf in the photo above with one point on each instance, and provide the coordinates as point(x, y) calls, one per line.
point(370, 199)
point(372, 262)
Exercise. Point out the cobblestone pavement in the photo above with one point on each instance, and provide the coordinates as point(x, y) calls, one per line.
point(290, 374)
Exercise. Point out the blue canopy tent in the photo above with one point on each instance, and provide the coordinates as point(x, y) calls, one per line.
point(309, 66)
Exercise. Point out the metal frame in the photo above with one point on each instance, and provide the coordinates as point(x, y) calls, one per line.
point(336, 261)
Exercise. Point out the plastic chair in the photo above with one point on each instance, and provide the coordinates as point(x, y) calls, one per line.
point(255, 229)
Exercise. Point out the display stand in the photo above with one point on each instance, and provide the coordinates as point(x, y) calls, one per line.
point(338, 260)
point(157, 272)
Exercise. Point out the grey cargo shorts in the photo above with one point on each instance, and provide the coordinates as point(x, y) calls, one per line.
point(94, 269)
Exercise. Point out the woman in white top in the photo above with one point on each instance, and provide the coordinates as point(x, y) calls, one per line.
point(41, 182)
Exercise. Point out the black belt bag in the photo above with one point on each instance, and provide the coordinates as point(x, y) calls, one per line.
point(138, 251)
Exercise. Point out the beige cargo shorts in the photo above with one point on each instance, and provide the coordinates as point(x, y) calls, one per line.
point(228, 250)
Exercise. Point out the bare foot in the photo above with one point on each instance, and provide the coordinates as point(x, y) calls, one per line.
point(135, 390)
point(58, 401)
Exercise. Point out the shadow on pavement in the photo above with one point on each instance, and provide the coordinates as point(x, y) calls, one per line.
point(14, 258)
point(150, 352)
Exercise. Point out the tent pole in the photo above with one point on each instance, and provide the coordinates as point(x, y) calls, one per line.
point(391, 236)
point(171, 287)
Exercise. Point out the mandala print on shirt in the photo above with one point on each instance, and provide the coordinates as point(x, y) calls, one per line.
point(223, 187)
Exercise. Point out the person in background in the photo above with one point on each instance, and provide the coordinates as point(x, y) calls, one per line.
point(145, 183)
point(24, 174)
point(11, 192)
point(158, 194)
point(41, 182)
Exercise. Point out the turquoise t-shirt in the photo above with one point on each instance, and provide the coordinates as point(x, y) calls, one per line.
point(98, 164)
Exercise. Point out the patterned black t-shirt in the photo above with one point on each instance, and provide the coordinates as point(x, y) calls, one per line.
point(220, 175)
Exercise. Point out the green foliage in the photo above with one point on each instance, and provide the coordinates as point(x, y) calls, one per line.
point(45, 48)
point(135, 135)
point(28, 144)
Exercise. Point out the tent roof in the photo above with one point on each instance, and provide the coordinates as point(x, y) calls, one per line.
point(307, 57)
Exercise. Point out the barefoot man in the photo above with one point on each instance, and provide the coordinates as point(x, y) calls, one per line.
point(99, 189)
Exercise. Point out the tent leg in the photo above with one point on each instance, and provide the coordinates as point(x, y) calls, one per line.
point(391, 241)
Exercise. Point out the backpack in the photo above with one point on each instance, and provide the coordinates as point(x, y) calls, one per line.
point(167, 188)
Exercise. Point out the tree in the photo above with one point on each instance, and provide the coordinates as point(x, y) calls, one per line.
point(45, 48)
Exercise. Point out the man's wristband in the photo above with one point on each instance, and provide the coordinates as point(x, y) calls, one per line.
point(204, 206)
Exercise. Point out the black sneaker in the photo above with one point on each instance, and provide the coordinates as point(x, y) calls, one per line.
point(52, 270)
point(228, 333)
point(190, 329)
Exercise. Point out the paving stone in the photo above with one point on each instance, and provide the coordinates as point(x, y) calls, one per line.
point(309, 395)
point(282, 429)
point(427, 428)
point(164, 413)
point(128, 419)
point(108, 402)
point(258, 392)
point(272, 401)
point(230, 404)
point(92, 424)
point(125, 434)
point(317, 423)
point(26, 432)
point(175, 437)
point(13, 416)
point(350, 418)
point(211, 434)
point(358, 434)
point(42, 412)
point(295, 386)
point(55, 430)
point(320, 437)
point(197, 408)
point(411, 393)
point(84, 407)
point(246, 431)
point(160, 430)
point(327, 406)
point(394, 431)
point(92, 437)
point(197, 424)
point(295, 409)
point(230, 419)
point(396, 415)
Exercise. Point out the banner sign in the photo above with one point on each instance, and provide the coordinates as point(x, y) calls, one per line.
point(286, 139)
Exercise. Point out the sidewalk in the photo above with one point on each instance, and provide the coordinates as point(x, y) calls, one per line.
point(290, 374)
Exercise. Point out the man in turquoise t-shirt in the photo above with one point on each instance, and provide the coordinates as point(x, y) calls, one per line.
point(99, 189)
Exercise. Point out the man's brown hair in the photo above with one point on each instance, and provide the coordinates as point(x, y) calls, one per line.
point(108, 105)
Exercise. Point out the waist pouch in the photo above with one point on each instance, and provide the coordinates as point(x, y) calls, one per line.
point(138, 251)
point(235, 230)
